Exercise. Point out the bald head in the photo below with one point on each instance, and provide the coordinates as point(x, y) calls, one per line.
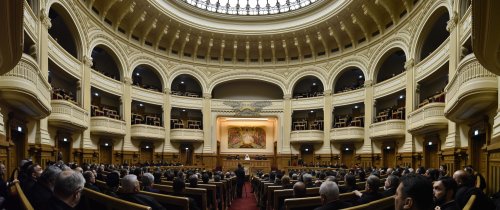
point(461, 177)
point(299, 190)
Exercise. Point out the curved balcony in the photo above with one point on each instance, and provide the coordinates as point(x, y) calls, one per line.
point(25, 88)
point(471, 91)
point(307, 136)
point(106, 83)
point(187, 102)
point(186, 135)
point(387, 129)
point(427, 119)
point(107, 126)
point(390, 86)
point(308, 103)
point(63, 59)
point(66, 114)
point(148, 96)
point(142, 131)
point(349, 97)
point(347, 134)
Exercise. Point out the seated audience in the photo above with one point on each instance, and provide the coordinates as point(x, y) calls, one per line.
point(112, 182)
point(466, 188)
point(329, 193)
point(179, 187)
point(349, 184)
point(371, 191)
point(130, 192)
point(285, 182)
point(390, 186)
point(193, 181)
point(33, 172)
point(444, 193)
point(67, 191)
point(42, 191)
point(90, 181)
point(414, 192)
point(147, 183)
point(299, 190)
point(307, 178)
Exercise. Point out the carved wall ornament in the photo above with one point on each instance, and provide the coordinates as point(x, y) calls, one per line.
point(44, 18)
point(452, 23)
point(87, 60)
point(247, 109)
point(409, 63)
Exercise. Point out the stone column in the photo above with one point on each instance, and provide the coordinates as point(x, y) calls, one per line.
point(126, 108)
point(42, 134)
point(327, 122)
point(167, 108)
point(209, 143)
point(284, 146)
point(86, 101)
point(408, 143)
point(369, 114)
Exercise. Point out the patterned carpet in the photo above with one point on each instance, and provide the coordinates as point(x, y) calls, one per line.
point(247, 202)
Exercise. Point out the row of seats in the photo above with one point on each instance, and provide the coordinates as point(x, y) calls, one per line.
point(148, 119)
point(308, 95)
point(438, 97)
point(303, 125)
point(104, 111)
point(62, 94)
point(391, 113)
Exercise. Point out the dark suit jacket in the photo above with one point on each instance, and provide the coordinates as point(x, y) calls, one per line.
point(346, 189)
point(142, 199)
point(92, 187)
point(56, 204)
point(39, 195)
point(389, 192)
point(149, 189)
point(450, 206)
point(368, 197)
point(338, 204)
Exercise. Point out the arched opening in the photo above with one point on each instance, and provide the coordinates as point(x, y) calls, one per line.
point(431, 149)
point(390, 107)
point(147, 150)
point(431, 89)
point(186, 85)
point(186, 154)
point(246, 89)
point(19, 141)
point(307, 155)
point(436, 34)
point(105, 62)
point(478, 139)
point(146, 77)
point(63, 30)
point(389, 154)
point(148, 114)
point(350, 79)
point(105, 104)
point(349, 115)
point(307, 120)
point(393, 64)
point(64, 146)
point(182, 118)
point(308, 86)
point(64, 86)
point(106, 151)
point(347, 155)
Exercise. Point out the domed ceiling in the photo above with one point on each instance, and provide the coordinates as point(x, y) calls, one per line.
point(318, 30)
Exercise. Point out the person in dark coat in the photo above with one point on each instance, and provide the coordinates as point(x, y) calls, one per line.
point(240, 176)
point(90, 181)
point(179, 186)
point(67, 191)
point(390, 186)
point(371, 191)
point(147, 183)
point(444, 193)
point(413, 193)
point(130, 192)
point(349, 184)
point(42, 191)
point(329, 192)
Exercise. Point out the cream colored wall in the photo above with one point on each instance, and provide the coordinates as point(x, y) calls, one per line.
point(404, 35)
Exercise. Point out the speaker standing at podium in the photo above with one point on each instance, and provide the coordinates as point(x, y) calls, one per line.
point(240, 175)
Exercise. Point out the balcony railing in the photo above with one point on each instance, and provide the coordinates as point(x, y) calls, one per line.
point(471, 90)
point(107, 126)
point(427, 118)
point(387, 129)
point(141, 131)
point(68, 115)
point(186, 135)
point(26, 88)
point(351, 134)
point(307, 136)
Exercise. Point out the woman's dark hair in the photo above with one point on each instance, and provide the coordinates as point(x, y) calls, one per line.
point(113, 179)
point(350, 180)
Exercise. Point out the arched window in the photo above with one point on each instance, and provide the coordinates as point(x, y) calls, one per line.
point(431, 39)
point(308, 86)
point(147, 77)
point(393, 63)
point(247, 89)
point(63, 30)
point(349, 79)
point(105, 62)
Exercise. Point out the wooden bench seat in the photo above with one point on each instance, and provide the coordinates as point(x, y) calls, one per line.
point(169, 201)
point(24, 203)
point(93, 200)
point(381, 204)
point(200, 195)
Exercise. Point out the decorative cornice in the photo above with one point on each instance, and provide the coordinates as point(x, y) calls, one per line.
point(409, 64)
point(127, 80)
point(287, 96)
point(207, 95)
point(368, 83)
point(87, 60)
point(44, 18)
point(166, 90)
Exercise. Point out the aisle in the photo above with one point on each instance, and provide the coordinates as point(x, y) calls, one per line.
point(246, 202)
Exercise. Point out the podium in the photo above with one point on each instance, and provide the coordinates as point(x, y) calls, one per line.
point(250, 166)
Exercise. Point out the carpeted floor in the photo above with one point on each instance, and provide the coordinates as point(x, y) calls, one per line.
point(247, 202)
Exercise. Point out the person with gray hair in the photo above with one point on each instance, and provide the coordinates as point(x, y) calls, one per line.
point(329, 192)
point(130, 192)
point(147, 183)
point(307, 178)
point(371, 191)
point(390, 185)
point(43, 189)
point(68, 186)
point(90, 181)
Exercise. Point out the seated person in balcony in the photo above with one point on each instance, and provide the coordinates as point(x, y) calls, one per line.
point(371, 191)
point(147, 183)
point(130, 192)
point(329, 192)
point(390, 186)
point(90, 181)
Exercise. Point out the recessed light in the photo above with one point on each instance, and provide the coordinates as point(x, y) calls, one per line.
point(430, 143)
point(312, 111)
point(106, 144)
point(356, 106)
point(137, 74)
point(183, 110)
point(182, 82)
point(314, 83)
point(401, 96)
point(19, 129)
point(307, 149)
point(141, 104)
point(388, 147)
point(360, 76)
point(65, 139)
point(476, 132)
point(147, 147)
point(347, 149)
point(96, 94)
point(187, 148)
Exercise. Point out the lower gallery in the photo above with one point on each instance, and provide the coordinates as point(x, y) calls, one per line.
point(270, 89)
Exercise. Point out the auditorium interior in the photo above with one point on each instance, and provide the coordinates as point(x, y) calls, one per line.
point(265, 84)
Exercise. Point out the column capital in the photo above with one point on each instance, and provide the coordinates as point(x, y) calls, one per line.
point(327, 92)
point(87, 60)
point(127, 80)
point(44, 18)
point(166, 90)
point(368, 83)
point(287, 96)
point(207, 95)
point(409, 63)
point(452, 23)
